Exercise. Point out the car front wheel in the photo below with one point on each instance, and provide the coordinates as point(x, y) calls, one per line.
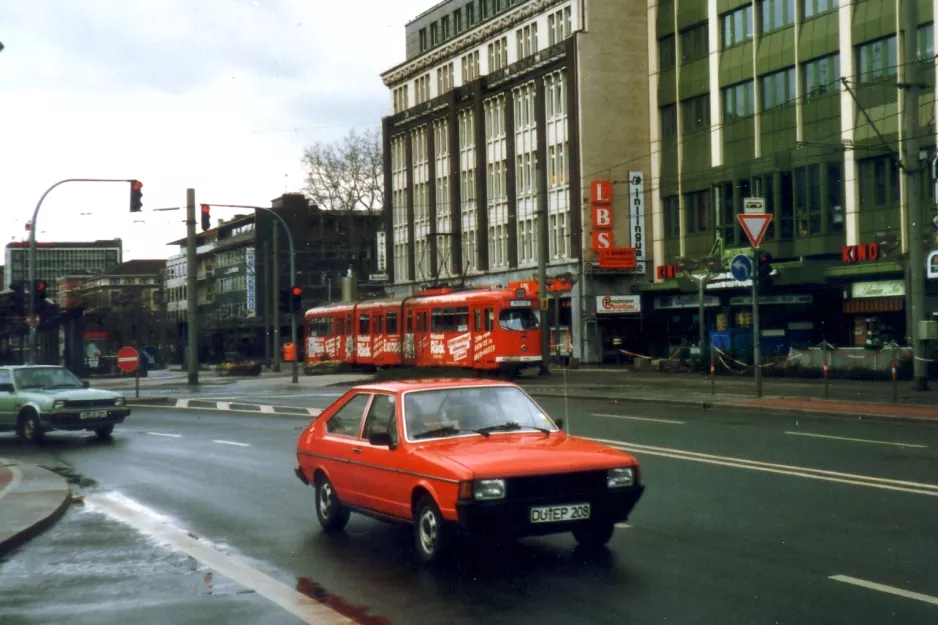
point(30, 428)
point(430, 533)
point(593, 535)
point(104, 431)
point(333, 516)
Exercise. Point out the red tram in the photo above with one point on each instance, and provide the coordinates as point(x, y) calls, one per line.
point(485, 329)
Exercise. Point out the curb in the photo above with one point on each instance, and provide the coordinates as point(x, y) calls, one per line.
point(47, 517)
point(158, 400)
point(742, 405)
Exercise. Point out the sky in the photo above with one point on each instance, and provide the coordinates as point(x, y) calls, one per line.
point(217, 95)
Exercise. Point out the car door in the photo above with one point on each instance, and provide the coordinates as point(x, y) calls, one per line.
point(341, 446)
point(7, 413)
point(386, 486)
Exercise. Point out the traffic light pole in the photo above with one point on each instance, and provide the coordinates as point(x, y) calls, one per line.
point(275, 263)
point(192, 295)
point(31, 273)
point(276, 311)
point(756, 328)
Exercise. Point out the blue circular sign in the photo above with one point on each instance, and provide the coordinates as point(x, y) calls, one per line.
point(741, 267)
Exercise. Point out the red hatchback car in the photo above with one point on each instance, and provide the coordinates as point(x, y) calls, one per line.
point(451, 455)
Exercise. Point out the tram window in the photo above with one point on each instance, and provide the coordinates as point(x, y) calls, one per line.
point(340, 326)
point(364, 328)
point(320, 327)
point(410, 322)
point(377, 326)
point(392, 323)
point(450, 320)
point(517, 319)
point(489, 319)
point(477, 320)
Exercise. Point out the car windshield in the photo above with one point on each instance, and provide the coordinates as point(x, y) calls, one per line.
point(45, 377)
point(518, 319)
point(450, 412)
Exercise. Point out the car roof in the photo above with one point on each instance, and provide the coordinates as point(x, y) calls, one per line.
point(400, 386)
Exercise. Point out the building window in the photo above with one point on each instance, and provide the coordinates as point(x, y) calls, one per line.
point(725, 211)
point(816, 7)
point(879, 182)
point(470, 15)
point(697, 211)
point(878, 60)
point(835, 208)
point(669, 121)
point(498, 54)
point(445, 27)
point(926, 41)
point(694, 44)
point(434, 34)
point(558, 25)
point(666, 53)
point(457, 21)
point(424, 43)
point(696, 114)
point(808, 200)
point(422, 89)
point(444, 79)
point(737, 26)
point(470, 67)
point(738, 101)
point(400, 98)
point(777, 14)
point(822, 76)
point(672, 217)
point(778, 88)
point(527, 40)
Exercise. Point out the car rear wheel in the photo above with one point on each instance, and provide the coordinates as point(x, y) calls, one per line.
point(104, 431)
point(431, 535)
point(333, 516)
point(30, 429)
point(593, 535)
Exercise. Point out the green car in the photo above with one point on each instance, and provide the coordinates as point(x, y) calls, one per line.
point(38, 399)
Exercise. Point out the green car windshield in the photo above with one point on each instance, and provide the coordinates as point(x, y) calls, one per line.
point(45, 378)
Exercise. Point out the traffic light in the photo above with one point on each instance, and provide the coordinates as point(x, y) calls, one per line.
point(136, 196)
point(285, 300)
point(296, 294)
point(206, 217)
point(765, 268)
point(40, 291)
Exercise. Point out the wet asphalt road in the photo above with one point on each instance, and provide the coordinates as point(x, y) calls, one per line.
point(715, 540)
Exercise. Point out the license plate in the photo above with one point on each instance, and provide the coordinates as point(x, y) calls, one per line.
point(93, 414)
point(557, 514)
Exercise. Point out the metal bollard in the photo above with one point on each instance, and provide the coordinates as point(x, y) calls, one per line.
point(895, 386)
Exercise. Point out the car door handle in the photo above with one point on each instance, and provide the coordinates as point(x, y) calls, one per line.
point(357, 450)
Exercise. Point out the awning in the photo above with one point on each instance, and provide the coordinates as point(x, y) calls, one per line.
point(874, 305)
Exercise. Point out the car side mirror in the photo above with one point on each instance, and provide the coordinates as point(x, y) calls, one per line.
point(86, 384)
point(6, 388)
point(559, 423)
point(380, 439)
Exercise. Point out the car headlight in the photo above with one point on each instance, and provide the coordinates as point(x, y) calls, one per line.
point(58, 404)
point(119, 401)
point(485, 490)
point(620, 478)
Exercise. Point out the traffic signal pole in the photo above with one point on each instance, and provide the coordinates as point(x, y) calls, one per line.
point(276, 286)
point(756, 328)
point(31, 271)
point(192, 306)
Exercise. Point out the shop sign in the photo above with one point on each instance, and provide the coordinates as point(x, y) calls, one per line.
point(667, 272)
point(617, 258)
point(381, 241)
point(674, 302)
point(932, 266)
point(601, 195)
point(852, 254)
point(726, 280)
point(746, 300)
point(637, 210)
point(618, 304)
point(884, 288)
point(251, 294)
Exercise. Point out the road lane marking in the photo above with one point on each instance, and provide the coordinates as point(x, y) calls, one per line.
point(619, 416)
point(624, 526)
point(892, 590)
point(856, 440)
point(267, 409)
point(232, 443)
point(223, 405)
point(182, 403)
point(869, 481)
point(153, 524)
point(166, 435)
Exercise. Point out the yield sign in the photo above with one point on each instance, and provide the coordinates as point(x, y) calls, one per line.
point(755, 225)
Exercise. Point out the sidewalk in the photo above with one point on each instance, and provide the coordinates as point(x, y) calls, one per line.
point(31, 499)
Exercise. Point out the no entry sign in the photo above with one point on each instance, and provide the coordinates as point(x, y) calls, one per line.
point(128, 359)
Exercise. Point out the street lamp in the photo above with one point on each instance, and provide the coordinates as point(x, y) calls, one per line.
point(701, 271)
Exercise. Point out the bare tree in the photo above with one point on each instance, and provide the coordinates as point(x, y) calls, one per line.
point(348, 174)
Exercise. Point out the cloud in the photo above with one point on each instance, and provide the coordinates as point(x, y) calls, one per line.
point(219, 95)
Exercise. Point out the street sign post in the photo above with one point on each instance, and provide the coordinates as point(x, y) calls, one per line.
point(128, 360)
point(755, 226)
point(741, 267)
point(753, 205)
